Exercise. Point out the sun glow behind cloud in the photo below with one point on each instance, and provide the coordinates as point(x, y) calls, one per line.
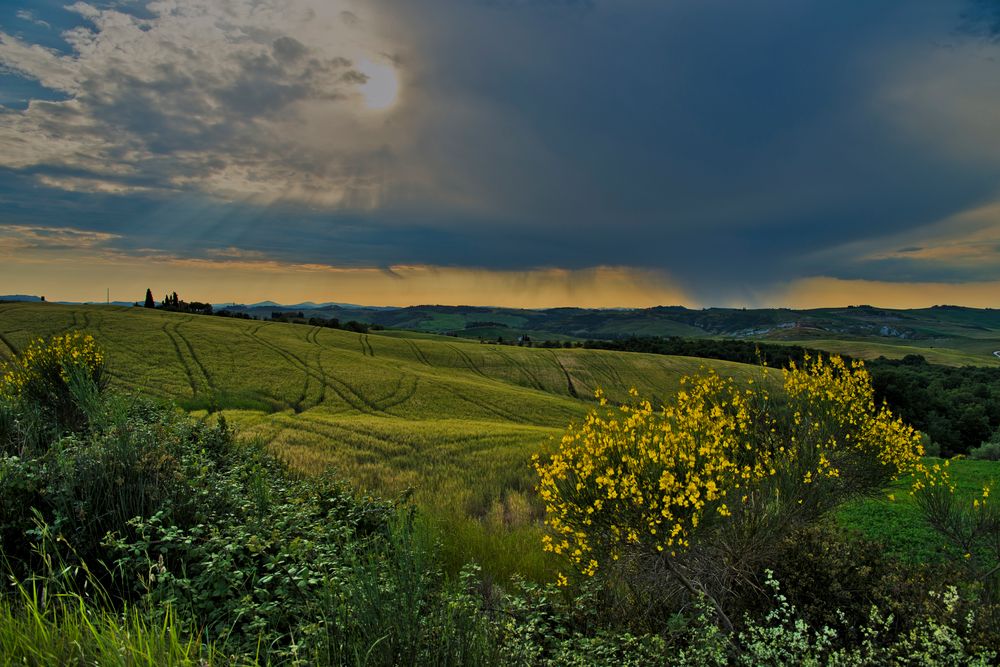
point(381, 89)
point(242, 101)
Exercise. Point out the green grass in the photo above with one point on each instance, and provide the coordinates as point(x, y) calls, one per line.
point(72, 631)
point(899, 522)
point(951, 352)
point(455, 421)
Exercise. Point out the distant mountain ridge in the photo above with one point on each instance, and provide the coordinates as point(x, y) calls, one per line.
point(569, 323)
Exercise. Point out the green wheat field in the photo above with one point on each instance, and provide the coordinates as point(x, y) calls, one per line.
point(451, 421)
point(455, 422)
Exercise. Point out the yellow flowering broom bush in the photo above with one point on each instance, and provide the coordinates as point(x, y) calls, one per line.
point(49, 372)
point(694, 496)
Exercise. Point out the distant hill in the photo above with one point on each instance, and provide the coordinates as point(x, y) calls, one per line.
point(970, 335)
point(19, 297)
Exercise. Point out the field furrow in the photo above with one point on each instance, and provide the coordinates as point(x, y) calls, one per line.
point(293, 360)
point(420, 356)
point(167, 329)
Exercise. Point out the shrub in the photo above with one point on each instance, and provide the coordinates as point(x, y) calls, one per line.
point(988, 451)
point(834, 577)
point(57, 377)
point(693, 499)
point(141, 508)
point(781, 637)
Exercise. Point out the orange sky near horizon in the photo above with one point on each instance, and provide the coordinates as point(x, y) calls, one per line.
point(68, 278)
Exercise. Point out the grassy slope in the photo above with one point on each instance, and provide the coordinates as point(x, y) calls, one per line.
point(455, 420)
point(946, 353)
point(952, 337)
point(899, 521)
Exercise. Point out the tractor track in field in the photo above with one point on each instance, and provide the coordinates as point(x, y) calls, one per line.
point(467, 360)
point(472, 438)
point(86, 321)
point(137, 387)
point(532, 378)
point(72, 322)
point(292, 359)
point(403, 390)
point(346, 392)
point(180, 357)
point(608, 371)
point(417, 352)
point(356, 435)
point(312, 336)
point(569, 380)
point(9, 308)
point(353, 428)
point(405, 393)
point(484, 405)
point(209, 382)
point(335, 430)
point(98, 321)
point(366, 345)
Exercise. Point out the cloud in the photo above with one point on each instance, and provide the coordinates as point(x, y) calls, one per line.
point(20, 240)
point(947, 100)
point(233, 253)
point(90, 184)
point(678, 137)
point(27, 15)
point(241, 100)
point(822, 291)
point(961, 247)
point(79, 265)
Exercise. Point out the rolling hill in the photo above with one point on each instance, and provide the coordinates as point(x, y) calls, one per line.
point(948, 335)
point(455, 420)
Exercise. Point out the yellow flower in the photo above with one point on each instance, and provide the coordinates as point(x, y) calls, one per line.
point(698, 456)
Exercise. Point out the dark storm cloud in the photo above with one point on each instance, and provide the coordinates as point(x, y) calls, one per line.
point(727, 144)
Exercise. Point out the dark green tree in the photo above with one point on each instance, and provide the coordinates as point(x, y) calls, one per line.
point(149, 299)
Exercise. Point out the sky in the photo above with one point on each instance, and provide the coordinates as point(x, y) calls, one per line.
point(534, 153)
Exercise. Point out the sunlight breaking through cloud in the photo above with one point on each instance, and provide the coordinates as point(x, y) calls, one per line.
point(241, 100)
